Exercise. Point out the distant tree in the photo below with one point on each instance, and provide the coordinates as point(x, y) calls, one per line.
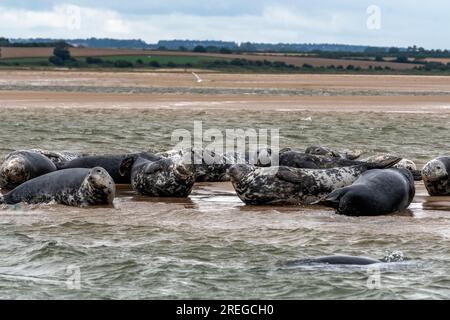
point(379, 58)
point(61, 55)
point(402, 59)
point(139, 61)
point(171, 64)
point(200, 49)
point(350, 67)
point(182, 49)
point(123, 64)
point(93, 60)
point(225, 50)
point(154, 64)
point(307, 66)
point(394, 50)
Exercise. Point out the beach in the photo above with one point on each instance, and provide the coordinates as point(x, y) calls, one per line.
point(211, 245)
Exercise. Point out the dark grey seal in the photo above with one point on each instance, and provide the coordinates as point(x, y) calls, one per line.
point(164, 177)
point(436, 176)
point(376, 192)
point(286, 185)
point(72, 187)
point(111, 163)
point(21, 166)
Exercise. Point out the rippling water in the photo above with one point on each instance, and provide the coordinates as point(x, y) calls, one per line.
point(211, 245)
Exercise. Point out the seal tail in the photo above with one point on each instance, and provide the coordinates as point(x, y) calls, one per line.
point(385, 163)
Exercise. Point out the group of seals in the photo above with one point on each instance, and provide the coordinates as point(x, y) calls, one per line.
point(290, 185)
point(318, 175)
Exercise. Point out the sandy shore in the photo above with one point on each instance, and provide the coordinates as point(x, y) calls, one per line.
point(407, 93)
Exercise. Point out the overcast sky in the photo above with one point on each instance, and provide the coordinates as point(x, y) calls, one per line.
point(396, 23)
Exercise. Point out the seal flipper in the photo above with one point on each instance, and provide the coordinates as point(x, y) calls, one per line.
point(286, 174)
point(126, 165)
point(332, 200)
point(152, 168)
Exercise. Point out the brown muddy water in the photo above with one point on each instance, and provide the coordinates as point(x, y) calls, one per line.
point(211, 245)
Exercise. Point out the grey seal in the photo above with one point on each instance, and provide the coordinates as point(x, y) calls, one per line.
point(21, 166)
point(164, 177)
point(436, 176)
point(374, 193)
point(72, 187)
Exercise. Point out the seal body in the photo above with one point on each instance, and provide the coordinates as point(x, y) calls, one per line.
point(309, 161)
point(403, 163)
point(58, 158)
point(73, 187)
point(164, 177)
point(21, 166)
point(436, 176)
point(334, 260)
point(376, 192)
point(111, 163)
point(287, 185)
point(325, 151)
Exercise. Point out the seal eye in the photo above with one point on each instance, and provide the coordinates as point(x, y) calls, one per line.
point(99, 171)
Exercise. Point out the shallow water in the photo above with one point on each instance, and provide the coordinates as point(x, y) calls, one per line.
point(211, 245)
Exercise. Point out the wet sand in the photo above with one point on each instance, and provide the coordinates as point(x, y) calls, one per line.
point(338, 93)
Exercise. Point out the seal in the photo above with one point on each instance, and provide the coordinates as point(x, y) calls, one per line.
point(164, 177)
point(297, 159)
point(436, 176)
point(325, 151)
point(334, 260)
point(21, 166)
point(72, 187)
point(111, 163)
point(394, 256)
point(287, 185)
point(374, 193)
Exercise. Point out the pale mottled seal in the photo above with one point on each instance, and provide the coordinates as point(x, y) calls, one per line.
point(164, 177)
point(111, 163)
point(436, 176)
point(21, 166)
point(73, 187)
point(376, 192)
point(286, 185)
point(325, 151)
point(404, 163)
point(309, 161)
point(58, 158)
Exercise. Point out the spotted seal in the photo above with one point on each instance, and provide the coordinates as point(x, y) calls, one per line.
point(297, 159)
point(436, 176)
point(286, 185)
point(404, 163)
point(73, 187)
point(21, 166)
point(325, 151)
point(374, 193)
point(164, 177)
